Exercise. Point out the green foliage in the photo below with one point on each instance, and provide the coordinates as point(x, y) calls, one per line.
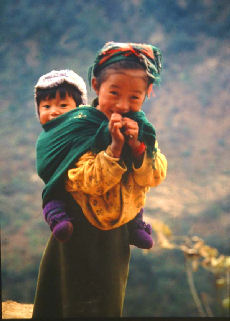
point(159, 281)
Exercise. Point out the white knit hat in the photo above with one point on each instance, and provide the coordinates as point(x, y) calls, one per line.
point(57, 77)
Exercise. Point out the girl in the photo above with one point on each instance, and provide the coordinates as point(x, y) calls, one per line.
point(118, 161)
point(56, 93)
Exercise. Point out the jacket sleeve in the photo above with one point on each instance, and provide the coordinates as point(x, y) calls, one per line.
point(152, 171)
point(95, 174)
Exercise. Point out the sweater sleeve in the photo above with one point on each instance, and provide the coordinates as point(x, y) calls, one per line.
point(152, 171)
point(95, 174)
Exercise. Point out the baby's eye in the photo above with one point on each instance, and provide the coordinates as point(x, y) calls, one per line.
point(63, 105)
point(46, 106)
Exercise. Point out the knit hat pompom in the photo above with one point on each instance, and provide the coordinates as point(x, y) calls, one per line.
point(55, 78)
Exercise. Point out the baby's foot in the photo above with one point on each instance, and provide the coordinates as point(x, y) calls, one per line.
point(141, 236)
point(58, 220)
point(140, 232)
point(63, 231)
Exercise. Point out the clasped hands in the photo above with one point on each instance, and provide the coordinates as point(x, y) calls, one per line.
point(123, 129)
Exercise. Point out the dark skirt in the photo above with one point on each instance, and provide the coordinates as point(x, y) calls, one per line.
point(86, 276)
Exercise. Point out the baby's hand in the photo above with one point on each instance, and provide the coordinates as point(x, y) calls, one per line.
point(131, 131)
point(118, 139)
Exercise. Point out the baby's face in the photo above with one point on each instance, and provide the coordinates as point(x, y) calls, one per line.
point(54, 107)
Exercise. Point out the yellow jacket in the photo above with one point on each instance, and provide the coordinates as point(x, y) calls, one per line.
point(107, 196)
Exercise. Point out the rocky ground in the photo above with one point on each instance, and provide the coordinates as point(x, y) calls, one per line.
point(15, 310)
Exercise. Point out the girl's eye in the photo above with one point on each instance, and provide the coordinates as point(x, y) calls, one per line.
point(63, 105)
point(134, 97)
point(46, 106)
point(113, 92)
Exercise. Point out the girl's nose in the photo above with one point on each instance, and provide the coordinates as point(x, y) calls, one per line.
point(122, 107)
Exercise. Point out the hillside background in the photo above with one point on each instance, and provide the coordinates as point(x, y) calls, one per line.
point(190, 112)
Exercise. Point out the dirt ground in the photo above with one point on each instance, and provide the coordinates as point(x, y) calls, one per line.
point(15, 310)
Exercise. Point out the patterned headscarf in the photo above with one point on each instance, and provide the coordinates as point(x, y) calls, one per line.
point(147, 55)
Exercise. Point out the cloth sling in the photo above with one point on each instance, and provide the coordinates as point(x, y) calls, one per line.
point(67, 137)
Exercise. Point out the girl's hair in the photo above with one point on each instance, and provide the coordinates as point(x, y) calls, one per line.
point(102, 74)
point(64, 89)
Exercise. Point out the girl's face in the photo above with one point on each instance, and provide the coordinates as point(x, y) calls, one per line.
point(51, 108)
point(122, 91)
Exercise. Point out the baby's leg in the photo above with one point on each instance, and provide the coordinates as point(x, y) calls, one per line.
point(140, 232)
point(58, 220)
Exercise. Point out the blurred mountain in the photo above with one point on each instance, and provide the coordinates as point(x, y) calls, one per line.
point(190, 112)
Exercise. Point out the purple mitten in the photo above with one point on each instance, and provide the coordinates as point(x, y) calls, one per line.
point(59, 222)
point(140, 232)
